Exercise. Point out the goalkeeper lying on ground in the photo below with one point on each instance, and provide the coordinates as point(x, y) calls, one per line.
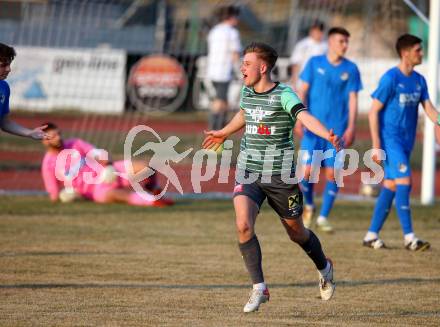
point(74, 177)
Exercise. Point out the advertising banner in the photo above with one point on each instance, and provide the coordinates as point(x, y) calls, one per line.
point(48, 79)
point(157, 83)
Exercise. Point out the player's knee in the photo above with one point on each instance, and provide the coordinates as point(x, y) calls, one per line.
point(330, 174)
point(389, 184)
point(403, 181)
point(307, 170)
point(297, 235)
point(244, 228)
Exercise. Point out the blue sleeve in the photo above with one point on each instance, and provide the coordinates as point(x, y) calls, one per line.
point(307, 73)
point(4, 98)
point(384, 90)
point(355, 83)
point(424, 92)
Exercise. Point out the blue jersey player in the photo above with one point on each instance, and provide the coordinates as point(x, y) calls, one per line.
point(330, 86)
point(7, 54)
point(393, 123)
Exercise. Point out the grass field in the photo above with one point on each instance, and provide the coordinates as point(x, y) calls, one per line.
point(85, 264)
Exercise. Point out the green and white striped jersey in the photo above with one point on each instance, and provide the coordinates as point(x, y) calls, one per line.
point(268, 138)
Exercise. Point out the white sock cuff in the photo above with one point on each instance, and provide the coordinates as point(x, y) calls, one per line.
point(259, 286)
point(409, 237)
point(371, 236)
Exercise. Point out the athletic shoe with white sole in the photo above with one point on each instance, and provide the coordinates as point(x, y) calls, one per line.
point(417, 245)
point(308, 216)
point(324, 226)
point(376, 244)
point(326, 284)
point(256, 297)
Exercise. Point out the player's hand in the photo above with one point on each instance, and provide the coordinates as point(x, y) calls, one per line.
point(348, 137)
point(335, 140)
point(376, 154)
point(39, 134)
point(108, 174)
point(213, 140)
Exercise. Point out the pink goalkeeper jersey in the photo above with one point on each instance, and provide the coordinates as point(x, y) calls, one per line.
point(75, 165)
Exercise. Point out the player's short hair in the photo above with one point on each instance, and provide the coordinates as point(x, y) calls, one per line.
point(338, 30)
point(50, 126)
point(264, 52)
point(318, 25)
point(405, 42)
point(7, 53)
point(226, 12)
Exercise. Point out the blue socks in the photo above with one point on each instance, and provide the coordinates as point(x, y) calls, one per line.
point(329, 196)
point(402, 207)
point(307, 190)
point(381, 209)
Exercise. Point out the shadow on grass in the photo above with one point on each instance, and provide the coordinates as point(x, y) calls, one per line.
point(215, 286)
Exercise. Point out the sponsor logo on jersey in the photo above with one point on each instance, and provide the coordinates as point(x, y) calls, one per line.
point(401, 85)
point(403, 168)
point(271, 100)
point(406, 99)
point(344, 76)
point(258, 113)
point(261, 129)
point(321, 71)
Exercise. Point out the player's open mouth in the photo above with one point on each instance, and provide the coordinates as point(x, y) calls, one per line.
point(244, 76)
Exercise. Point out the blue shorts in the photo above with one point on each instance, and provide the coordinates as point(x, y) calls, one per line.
point(311, 142)
point(397, 162)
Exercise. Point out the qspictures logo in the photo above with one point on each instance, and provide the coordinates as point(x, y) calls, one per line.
point(163, 157)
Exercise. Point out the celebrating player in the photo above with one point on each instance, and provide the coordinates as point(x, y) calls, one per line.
point(269, 111)
point(111, 187)
point(393, 123)
point(7, 55)
point(330, 84)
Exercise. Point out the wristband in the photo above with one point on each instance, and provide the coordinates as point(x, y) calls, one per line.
point(438, 119)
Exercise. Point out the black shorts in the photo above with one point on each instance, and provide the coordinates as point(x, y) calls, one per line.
point(285, 199)
point(221, 90)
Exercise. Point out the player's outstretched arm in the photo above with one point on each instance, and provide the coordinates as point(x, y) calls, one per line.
point(373, 118)
point(434, 116)
point(11, 127)
point(314, 125)
point(302, 94)
point(214, 139)
point(431, 112)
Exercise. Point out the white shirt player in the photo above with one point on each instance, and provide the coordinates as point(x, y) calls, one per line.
point(223, 41)
point(304, 50)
